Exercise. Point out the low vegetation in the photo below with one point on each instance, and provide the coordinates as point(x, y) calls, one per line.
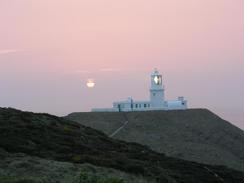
point(84, 177)
point(8, 179)
point(56, 139)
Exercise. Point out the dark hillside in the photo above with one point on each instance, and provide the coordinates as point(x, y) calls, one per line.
point(54, 138)
point(195, 134)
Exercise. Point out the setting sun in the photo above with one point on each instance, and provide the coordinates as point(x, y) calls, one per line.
point(90, 83)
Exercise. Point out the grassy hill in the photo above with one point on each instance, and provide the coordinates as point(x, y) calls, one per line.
point(195, 134)
point(29, 135)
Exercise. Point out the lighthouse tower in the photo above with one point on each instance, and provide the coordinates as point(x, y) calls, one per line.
point(157, 90)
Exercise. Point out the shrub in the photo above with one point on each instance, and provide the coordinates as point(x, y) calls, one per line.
point(76, 158)
point(67, 129)
point(86, 178)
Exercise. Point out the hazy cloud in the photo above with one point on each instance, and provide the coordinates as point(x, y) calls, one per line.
point(122, 70)
point(110, 70)
point(8, 51)
point(99, 70)
point(82, 71)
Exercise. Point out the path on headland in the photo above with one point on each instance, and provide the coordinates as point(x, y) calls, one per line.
point(120, 128)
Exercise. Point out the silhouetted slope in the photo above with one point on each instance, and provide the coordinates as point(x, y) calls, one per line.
point(194, 134)
point(50, 137)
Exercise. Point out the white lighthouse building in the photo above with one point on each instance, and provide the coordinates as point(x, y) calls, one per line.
point(157, 100)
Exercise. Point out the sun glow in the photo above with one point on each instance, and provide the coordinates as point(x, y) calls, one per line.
point(90, 83)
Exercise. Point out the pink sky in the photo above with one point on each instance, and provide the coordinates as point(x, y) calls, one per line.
point(48, 48)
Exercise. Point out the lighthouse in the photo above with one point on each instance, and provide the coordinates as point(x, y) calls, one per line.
point(157, 99)
point(157, 90)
